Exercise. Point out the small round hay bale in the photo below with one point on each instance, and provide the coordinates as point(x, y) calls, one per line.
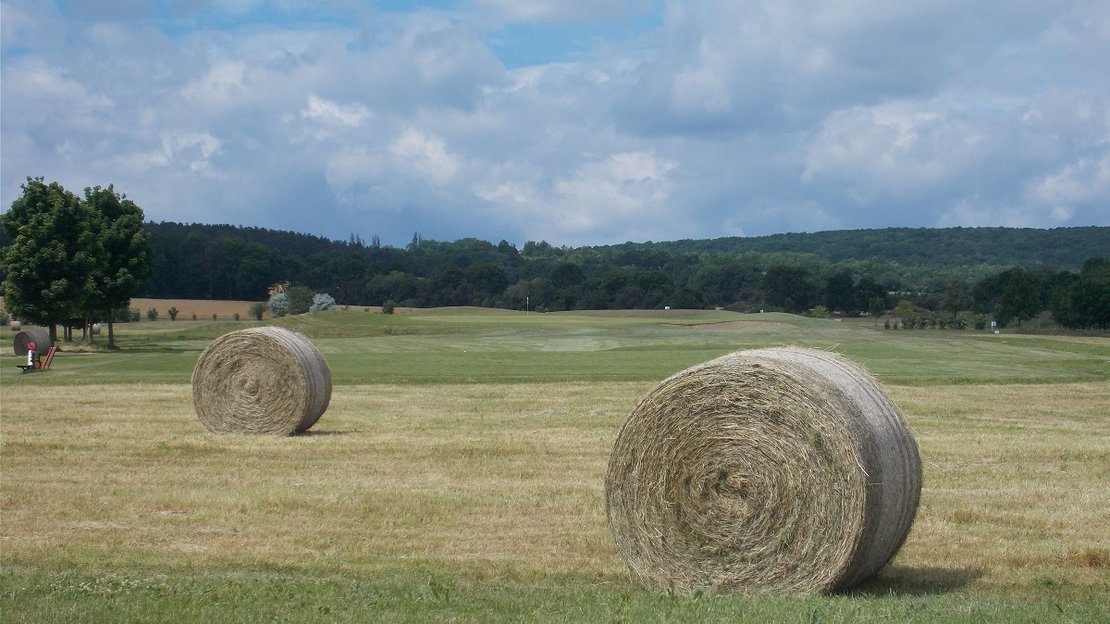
point(774, 470)
point(15, 325)
point(38, 335)
point(264, 380)
point(94, 329)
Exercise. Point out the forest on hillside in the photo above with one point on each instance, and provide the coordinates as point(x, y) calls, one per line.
point(844, 271)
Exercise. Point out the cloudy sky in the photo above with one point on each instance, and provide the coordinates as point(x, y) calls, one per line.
point(572, 121)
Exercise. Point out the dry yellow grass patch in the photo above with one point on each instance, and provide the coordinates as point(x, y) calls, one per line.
point(202, 308)
point(1017, 481)
point(505, 480)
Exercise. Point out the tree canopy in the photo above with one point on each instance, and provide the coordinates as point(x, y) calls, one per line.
point(70, 257)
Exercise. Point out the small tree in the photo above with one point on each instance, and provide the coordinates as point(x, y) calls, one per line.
point(173, 312)
point(300, 299)
point(322, 302)
point(956, 297)
point(820, 312)
point(279, 305)
point(124, 253)
point(876, 306)
point(904, 311)
point(256, 310)
point(152, 314)
point(387, 306)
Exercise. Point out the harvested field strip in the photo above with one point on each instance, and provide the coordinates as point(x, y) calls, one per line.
point(400, 474)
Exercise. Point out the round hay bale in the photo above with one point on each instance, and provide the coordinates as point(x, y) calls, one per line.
point(774, 470)
point(38, 335)
point(16, 325)
point(94, 329)
point(264, 380)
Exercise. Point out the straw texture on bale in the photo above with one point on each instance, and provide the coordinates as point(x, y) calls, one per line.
point(265, 380)
point(38, 335)
point(779, 470)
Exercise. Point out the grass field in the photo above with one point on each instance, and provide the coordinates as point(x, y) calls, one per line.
point(458, 475)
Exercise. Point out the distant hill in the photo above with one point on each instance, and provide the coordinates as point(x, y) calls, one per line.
point(1062, 248)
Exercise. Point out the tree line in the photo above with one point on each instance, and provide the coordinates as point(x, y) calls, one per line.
point(847, 272)
point(227, 262)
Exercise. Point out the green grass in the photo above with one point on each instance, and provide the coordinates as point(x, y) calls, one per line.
point(457, 476)
point(426, 595)
point(478, 346)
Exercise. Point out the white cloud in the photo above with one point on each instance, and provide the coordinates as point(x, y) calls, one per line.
point(885, 149)
point(192, 151)
point(784, 115)
point(331, 115)
point(327, 112)
point(426, 155)
point(625, 191)
point(1085, 180)
point(33, 80)
point(222, 86)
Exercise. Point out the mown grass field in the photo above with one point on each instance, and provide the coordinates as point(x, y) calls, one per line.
point(458, 475)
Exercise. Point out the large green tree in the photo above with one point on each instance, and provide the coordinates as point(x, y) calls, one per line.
point(124, 253)
point(1084, 302)
point(956, 297)
point(72, 258)
point(49, 264)
point(1019, 298)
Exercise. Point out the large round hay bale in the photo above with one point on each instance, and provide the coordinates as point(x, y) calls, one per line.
point(38, 335)
point(772, 470)
point(266, 380)
point(15, 325)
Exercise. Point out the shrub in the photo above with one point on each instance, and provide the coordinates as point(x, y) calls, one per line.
point(152, 314)
point(387, 306)
point(4, 318)
point(279, 305)
point(820, 312)
point(256, 310)
point(134, 314)
point(322, 302)
point(173, 312)
point(237, 316)
point(299, 298)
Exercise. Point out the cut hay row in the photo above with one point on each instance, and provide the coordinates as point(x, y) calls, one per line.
point(783, 470)
point(266, 380)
